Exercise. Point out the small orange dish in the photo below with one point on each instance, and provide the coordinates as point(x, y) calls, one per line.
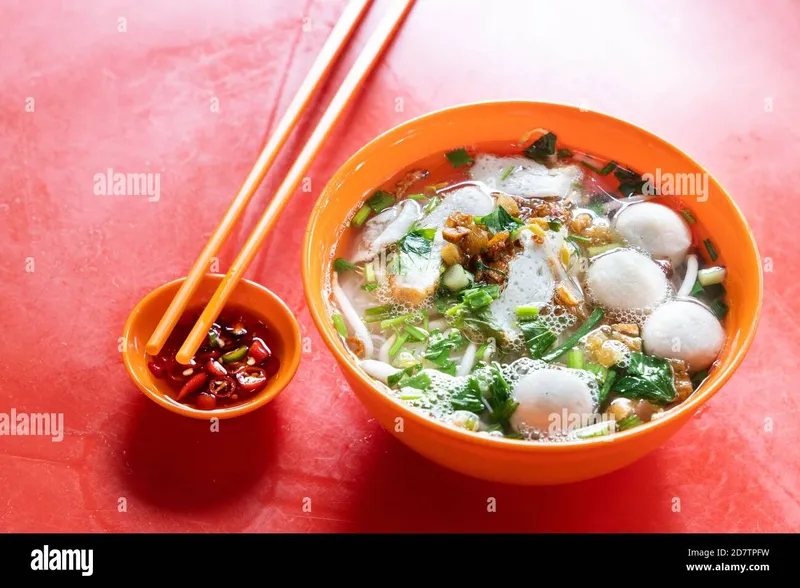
point(503, 459)
point(273, 317)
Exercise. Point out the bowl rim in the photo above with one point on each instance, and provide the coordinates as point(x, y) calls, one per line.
point(682, 411)
point(290, 368)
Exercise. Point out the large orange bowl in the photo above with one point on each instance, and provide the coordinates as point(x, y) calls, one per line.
point(509, 460)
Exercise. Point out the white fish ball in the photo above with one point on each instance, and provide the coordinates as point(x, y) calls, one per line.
point(544, 396)
point(683, 329)
point(657, 229)
point(626, 280)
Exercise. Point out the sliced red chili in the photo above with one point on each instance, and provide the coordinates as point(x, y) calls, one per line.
point(251, 378)
point(176, 373)
point(206, 355)
point(222, 387)
point(259, 350)
point(206, 401)
point(193, 385)
point(215, 369)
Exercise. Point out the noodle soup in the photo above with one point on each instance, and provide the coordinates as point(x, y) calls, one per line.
point(528, 291)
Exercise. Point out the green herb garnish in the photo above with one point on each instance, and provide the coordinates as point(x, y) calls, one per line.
point(381, 200)
point(649, 378)
point(468, 397)
point(376, 314)
point(506, 172)
point(564, 153)
point(578, 239)
point(338, 322)
point(630, 421)
point(538, 337)
point(719, 308)
point(342, 265)
point(542, 148)
point(498, 221)
point(416, 196)
point(594, 318)
point(459, 158)
point(603, 171)
point(712, 253)
point(688, 216)
point(611, 376)
point(554, 225)
point(361, 216)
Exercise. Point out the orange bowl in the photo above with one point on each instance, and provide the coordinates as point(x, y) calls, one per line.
point(508, 460)
point(255, 298)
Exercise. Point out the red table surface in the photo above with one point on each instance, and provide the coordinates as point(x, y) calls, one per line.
point(717, 78)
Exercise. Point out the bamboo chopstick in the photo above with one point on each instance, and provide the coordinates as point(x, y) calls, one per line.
point(331, 50)
point(357, 74)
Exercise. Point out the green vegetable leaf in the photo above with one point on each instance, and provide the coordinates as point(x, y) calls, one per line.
point(538, 337)
point(468, 397)
point(402, 375)
point(421, 381)
point(342, 265)
point(497, 393)
point(459, 158)
point(498, 221)
point(415, 249)
point(542, 148)
point(381, 200)
point(649, 378)
point(440, 346)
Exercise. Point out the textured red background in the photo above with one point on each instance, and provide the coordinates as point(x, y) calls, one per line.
point(700, 73)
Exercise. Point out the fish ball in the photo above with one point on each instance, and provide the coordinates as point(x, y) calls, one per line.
point(657, 229)
point(626, 280)
point(544, 396)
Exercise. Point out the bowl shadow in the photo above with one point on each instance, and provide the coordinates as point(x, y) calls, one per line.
point(189, 465)
point(404, 492)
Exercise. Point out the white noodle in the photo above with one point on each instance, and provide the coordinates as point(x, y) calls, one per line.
point(383, 354)
point(691, 276)
point(465, 367)
point(490, 349)
point(378, 369)
point(351, 316)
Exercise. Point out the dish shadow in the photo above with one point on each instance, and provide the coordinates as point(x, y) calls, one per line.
point(404, 492)
point(188, 465)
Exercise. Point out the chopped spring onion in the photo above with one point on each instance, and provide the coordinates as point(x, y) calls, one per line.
point(688, 216)
point(432, 203)
point(369, 287)
point(629, 422)
point(338, 322)
point(342, 265)
point(459, 158)
point(720, 308)
point(416, 196)
point(542, 148)
point(596, 316)
point(411, 317)
point(527, 312)
point(369, 272)
point(598, 249)
point(696, 289)
point(381, 200)
point(506, 172)
point(564, 153)
point(399, 342)
point(378, 313)
point(711, 275)
point(411, 394)
point(213, 338)
point(416, 333)
point(600, 372)
point(712, 253)
point(578, 239)
point(361, 216)
point(575, 358)
point(425, 320)
point(609, 381)
point(605, 170)
point(456, 278)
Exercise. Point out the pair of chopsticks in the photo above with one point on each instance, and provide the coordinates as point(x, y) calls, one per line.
point(337, 40)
